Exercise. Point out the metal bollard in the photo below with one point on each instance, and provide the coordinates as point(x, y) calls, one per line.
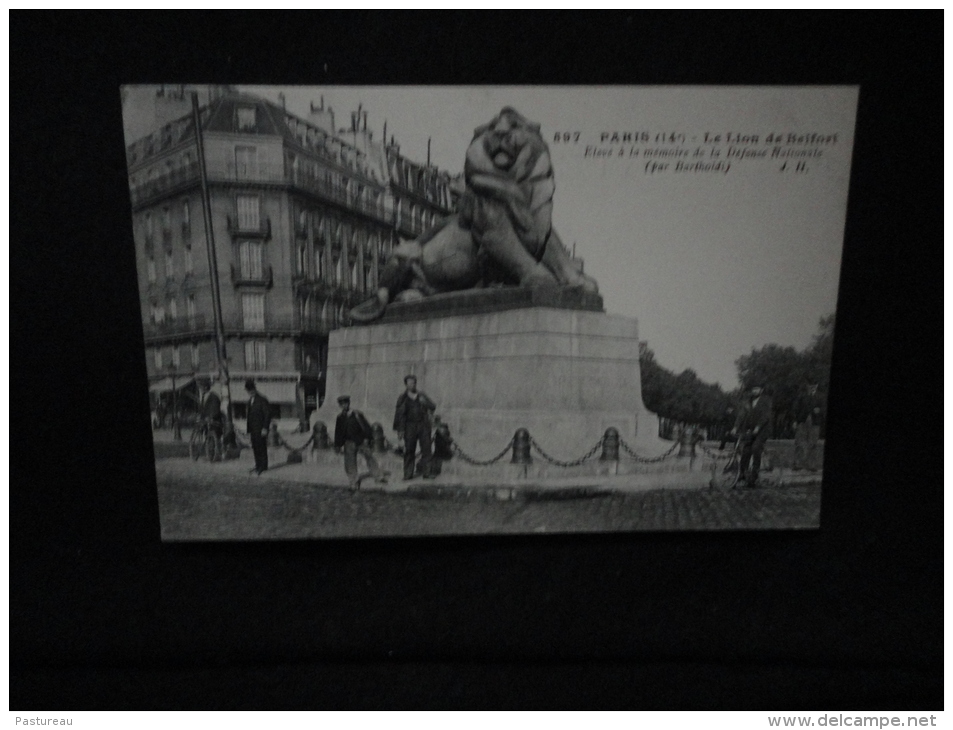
point(377, 439)
point(321, 438)
point(521, 447)
point(610, 445)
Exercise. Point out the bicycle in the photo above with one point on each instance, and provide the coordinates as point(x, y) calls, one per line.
point(726, 474)
point(206, 439)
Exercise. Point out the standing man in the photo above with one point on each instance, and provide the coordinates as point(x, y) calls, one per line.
point(259, 419)
point(352, 432)
point(754, 428)
point(412, 423)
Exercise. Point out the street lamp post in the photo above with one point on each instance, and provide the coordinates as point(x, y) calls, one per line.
point(176, 426)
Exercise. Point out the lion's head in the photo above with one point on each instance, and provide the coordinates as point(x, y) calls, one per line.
point(510, 145)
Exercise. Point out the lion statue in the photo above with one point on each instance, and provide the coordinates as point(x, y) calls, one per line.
point(501, 233)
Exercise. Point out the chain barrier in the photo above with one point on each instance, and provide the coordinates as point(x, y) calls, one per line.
point(644, 459)
point(715, 454)
point(576, 462)
point(282, 442)
point(476, 462)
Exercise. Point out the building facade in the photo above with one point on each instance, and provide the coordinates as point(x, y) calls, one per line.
point(302, 219)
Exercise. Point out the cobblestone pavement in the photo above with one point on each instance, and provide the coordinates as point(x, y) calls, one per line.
point(218, 505)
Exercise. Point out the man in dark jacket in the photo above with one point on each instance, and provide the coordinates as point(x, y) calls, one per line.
point(211, 407)
point(259, 420)
point(352, 433)
point(412, 423)
point(754, 428)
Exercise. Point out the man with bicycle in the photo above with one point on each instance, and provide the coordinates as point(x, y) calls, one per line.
point(753, 428)
point(210, 409)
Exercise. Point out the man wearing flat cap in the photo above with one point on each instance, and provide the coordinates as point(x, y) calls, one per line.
point(259, 420)
point(352, 433)
point(412, 423)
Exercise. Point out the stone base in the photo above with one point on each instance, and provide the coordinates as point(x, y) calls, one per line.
point(565, 375)
point(485, 301)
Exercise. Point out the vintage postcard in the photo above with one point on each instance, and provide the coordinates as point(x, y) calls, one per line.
point(403, 311)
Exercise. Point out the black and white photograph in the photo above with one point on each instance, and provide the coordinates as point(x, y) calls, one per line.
point(662, 293)
point(386, 311)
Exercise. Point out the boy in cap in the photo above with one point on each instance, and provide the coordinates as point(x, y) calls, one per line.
point(352, 433)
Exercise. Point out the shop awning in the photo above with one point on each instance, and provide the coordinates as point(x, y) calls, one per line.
point(165, 385)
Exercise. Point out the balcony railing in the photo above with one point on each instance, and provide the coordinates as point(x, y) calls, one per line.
point(177, 326)
point(380, 209)
point(286, 174)
point(264, 279)
point(237, 228)
point(165, 183)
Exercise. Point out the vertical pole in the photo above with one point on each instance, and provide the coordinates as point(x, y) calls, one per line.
point(220, 353)
point(176, 426)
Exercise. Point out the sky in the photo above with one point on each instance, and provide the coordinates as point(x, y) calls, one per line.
point(711, 262)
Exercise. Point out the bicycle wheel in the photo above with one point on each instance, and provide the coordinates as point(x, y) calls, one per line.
point(210, 447)
point(195, 450)
point(724, 473)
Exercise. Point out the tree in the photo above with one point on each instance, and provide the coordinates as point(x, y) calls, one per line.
point(683, 397)
point(796, 380)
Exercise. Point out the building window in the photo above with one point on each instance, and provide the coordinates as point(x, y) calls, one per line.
point(175, 356)
point(195, 356)
point(186, 216)
point(246, 162)
point(253, 311)
point(246, 119)
point(339, 271)
point(157, 358)
point(190, 308)
point(173, 310)
point(319, 263)
point(188, 258)
point(166, 220)
point(169, 266)
point(249, 212)
point(353, 275)
point(302, 260)
point(149, 226)
point(255, 358)
point(160, 314)
point(251, 259)
point(151, 269)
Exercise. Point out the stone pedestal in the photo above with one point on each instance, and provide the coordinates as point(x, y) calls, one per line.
point(564, 374)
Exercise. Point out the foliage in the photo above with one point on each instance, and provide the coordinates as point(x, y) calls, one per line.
point(683, 397)
point(797, 382)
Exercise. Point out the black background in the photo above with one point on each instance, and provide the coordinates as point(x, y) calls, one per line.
point(104, 616)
